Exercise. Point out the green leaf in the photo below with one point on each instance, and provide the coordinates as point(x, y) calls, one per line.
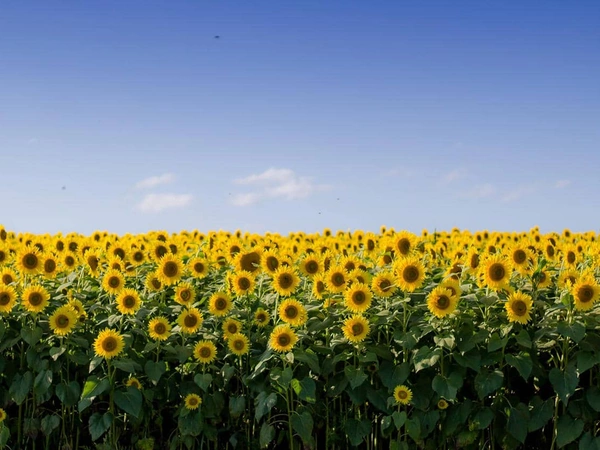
point(523, 339)
point(4, 436)
point(20, 387)
point(191, 424)
point(237, 405)
point(267, 434)
point(393, 375)
point(518, 419)
point(471, 359)
point(592, 396)
point(129, 401)
point(487, 382)
point(483, 418)
point(586, 360)
point(305, 389)
point(31, 335)
point(68, 394)
point(127, 365)
point(94, 387)
point(522, 362)
point(541, 413)
point(355, 376)
point(264, 403)
point(55, 352)
point(94, 363)
point(303, 425)
point(424, 358)
point(447, 387)
point(155, 370)
point(357, 430)
point(413, 428)
point(564, 383)
point(99, 424)
point(399, 419)
point(203, 380)
point(49, 424)
point(309, 358)
point(470, 341)
point(496, 342)
point(568, 429)
point(377, 398)
point(588, 442)
point(575, 331)
point(42, 382)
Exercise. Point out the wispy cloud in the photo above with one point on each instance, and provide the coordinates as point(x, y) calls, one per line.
point(481, 191)
point(560, 184)
point(153, 203)
point(275, 183)
point(151, 182)
point(454, 175)
point(519, 192)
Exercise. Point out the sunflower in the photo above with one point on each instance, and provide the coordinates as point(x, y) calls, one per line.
point(522, 258)
point(403, 243)
point(285, 281)
point(3, 415)
point(49, 265)
point(238, 344)
point(8, 276)
point(335, 279)
point(403, 395)
point(384, 284)
point(205, 352)
point(360, 276)
point(219, 304)
point(358, 297)
point(128, 301)
point(567, 278)
point(356, 328)
point(496, 271)
point(113, 281)
point(282, 338)
point(35, 298)
point(570, 256)
point(311, 265)
point(190, 320)
point(442, 404)
point(8, 298)
point(261, 317)
point(293, 312)
point(170, 269)
point(318, 287)
point(198, 267)
point(518, 307)
point(63, 320)
point(410, 273)
point(585, 292)
point(159, 328)
point(158, 250)
point(28, 260)
point(242, 283)
point(109, 343)
point(270, 262)
point(543, 279)
point(230, 327)
point(185, 294)
point(69, 260)
point(192, 401)
point(453, 285)
point(153, 283)
point(78, 308)
point(247, 261)
point(134, 382)
point(441, 302)
point(137, 257)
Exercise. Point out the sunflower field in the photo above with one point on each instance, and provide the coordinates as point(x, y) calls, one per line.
point(388, 340)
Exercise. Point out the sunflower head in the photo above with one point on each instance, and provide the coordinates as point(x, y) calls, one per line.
point(198, 267)
point(496, 271)
point(28, 260)
point(153, 283)
point(282, 338)
point(356, 328)
point(219, 304)
point(35, 298)
point(49, 265)
point(442, 404)
point(261, 317)
point(285, 281)
point(63, 320)
point(242, 283)
point(336, 279)
point(248, 261)
point(441, 302)
point(270, 261)
point(585, 292)
point(238, 344)
point(185, 294)
point(230, 327)
point(134, 382)
point(190, 320)
point(205, 352)
point(192, 401)
point(3, 415)
point(159, 328)
point(113, 281)
point(293, 312)
point(170, 269)
point(8, 276)
point(358, 298)
point(109, 343)
point(384, 284)
point(128, 301)
point(311, 265)
point(410, 274)
point(518, 307)
point(8, 298)
point(402, 395)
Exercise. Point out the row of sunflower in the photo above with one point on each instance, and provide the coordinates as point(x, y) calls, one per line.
point(376, 340)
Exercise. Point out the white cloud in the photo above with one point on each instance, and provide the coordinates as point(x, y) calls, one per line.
point(560, 184)
point(454, 175)
point(155, 181)
point(518, 193)
point(481, 191)
point(153, 203)
point(276, 183)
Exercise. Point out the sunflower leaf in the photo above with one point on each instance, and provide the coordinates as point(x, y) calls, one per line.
point(155, 370)
point(129, 401)
point(99, 424)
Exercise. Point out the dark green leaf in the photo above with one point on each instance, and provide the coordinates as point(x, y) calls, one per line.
point(471, 359)
point(31, 335)
point(586, 360)
point(191, 424)
point(129, 401)
point(568, 429)
point(592, 396)
point(55, 352)
point(393, 375)
point(42, 382)
point(541, 413)
point(264, 403)
point(203, 380)
point(496, 342)
point(447, 387)
point(155, 370)
point(399, 418)
point(305, 389)
point(303, 425)
point(309, 358)
point(488, 382)
point(522, 362)
point(523, 339)
point(99, 424)
point(68, 394)
point(575, 331)
point(267, 434)
point(588, 442)
point(413, 428)
point(49, 424)
point(355, 376)
point(94, 387)
point(127, 365)
point(20, 387)
point(517, 422)
point(483, 418)
point(237, 405)
point(424, 358)
point(357, 430)
point(4, 436)
point(564, 383)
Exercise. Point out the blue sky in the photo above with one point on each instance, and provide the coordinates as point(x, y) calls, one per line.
point(133, 116)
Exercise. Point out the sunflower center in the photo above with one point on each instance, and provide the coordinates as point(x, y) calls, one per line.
point(284, 340)
point(221, 304)
point(205, 352)
point(239, 344)
point(585, 293)
point(93, 262)
point(543, 277)
point(497, 272)
point(114, 282)
point(312, 267)
point(160, 251)
point(261, 317)
point(190, 321)
point(402, 395)
point(155, 283)
point(4, 299)
point(30, 261)
point(160, 328)
point(70, 261)
point(192, 401)
point(384, 285)
point(244, 283)
point(35, 299)
point(119, 252)
point(474, 261)
point(129, 301)
point(550, 250)
point(443, 302)
point(185, 295)
point(291, 312)
point(272, 263)
point(250, 261)
point(571, 279)
point(232, 328)
point(350, 266)
point(109, 344)
point(571, 257)
point(359, 297)
point(338, 279)
point(7, 278)
point(519, 256)
point(519, 308)
point(138, 256)
point(49, 266)
point(403, 246)
point(62, 321)
point(199, 267)
point(320, 287)
point(357, 329)
point(170, 269)
point(410, 274)
point(370, 244)
point(285, 281)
